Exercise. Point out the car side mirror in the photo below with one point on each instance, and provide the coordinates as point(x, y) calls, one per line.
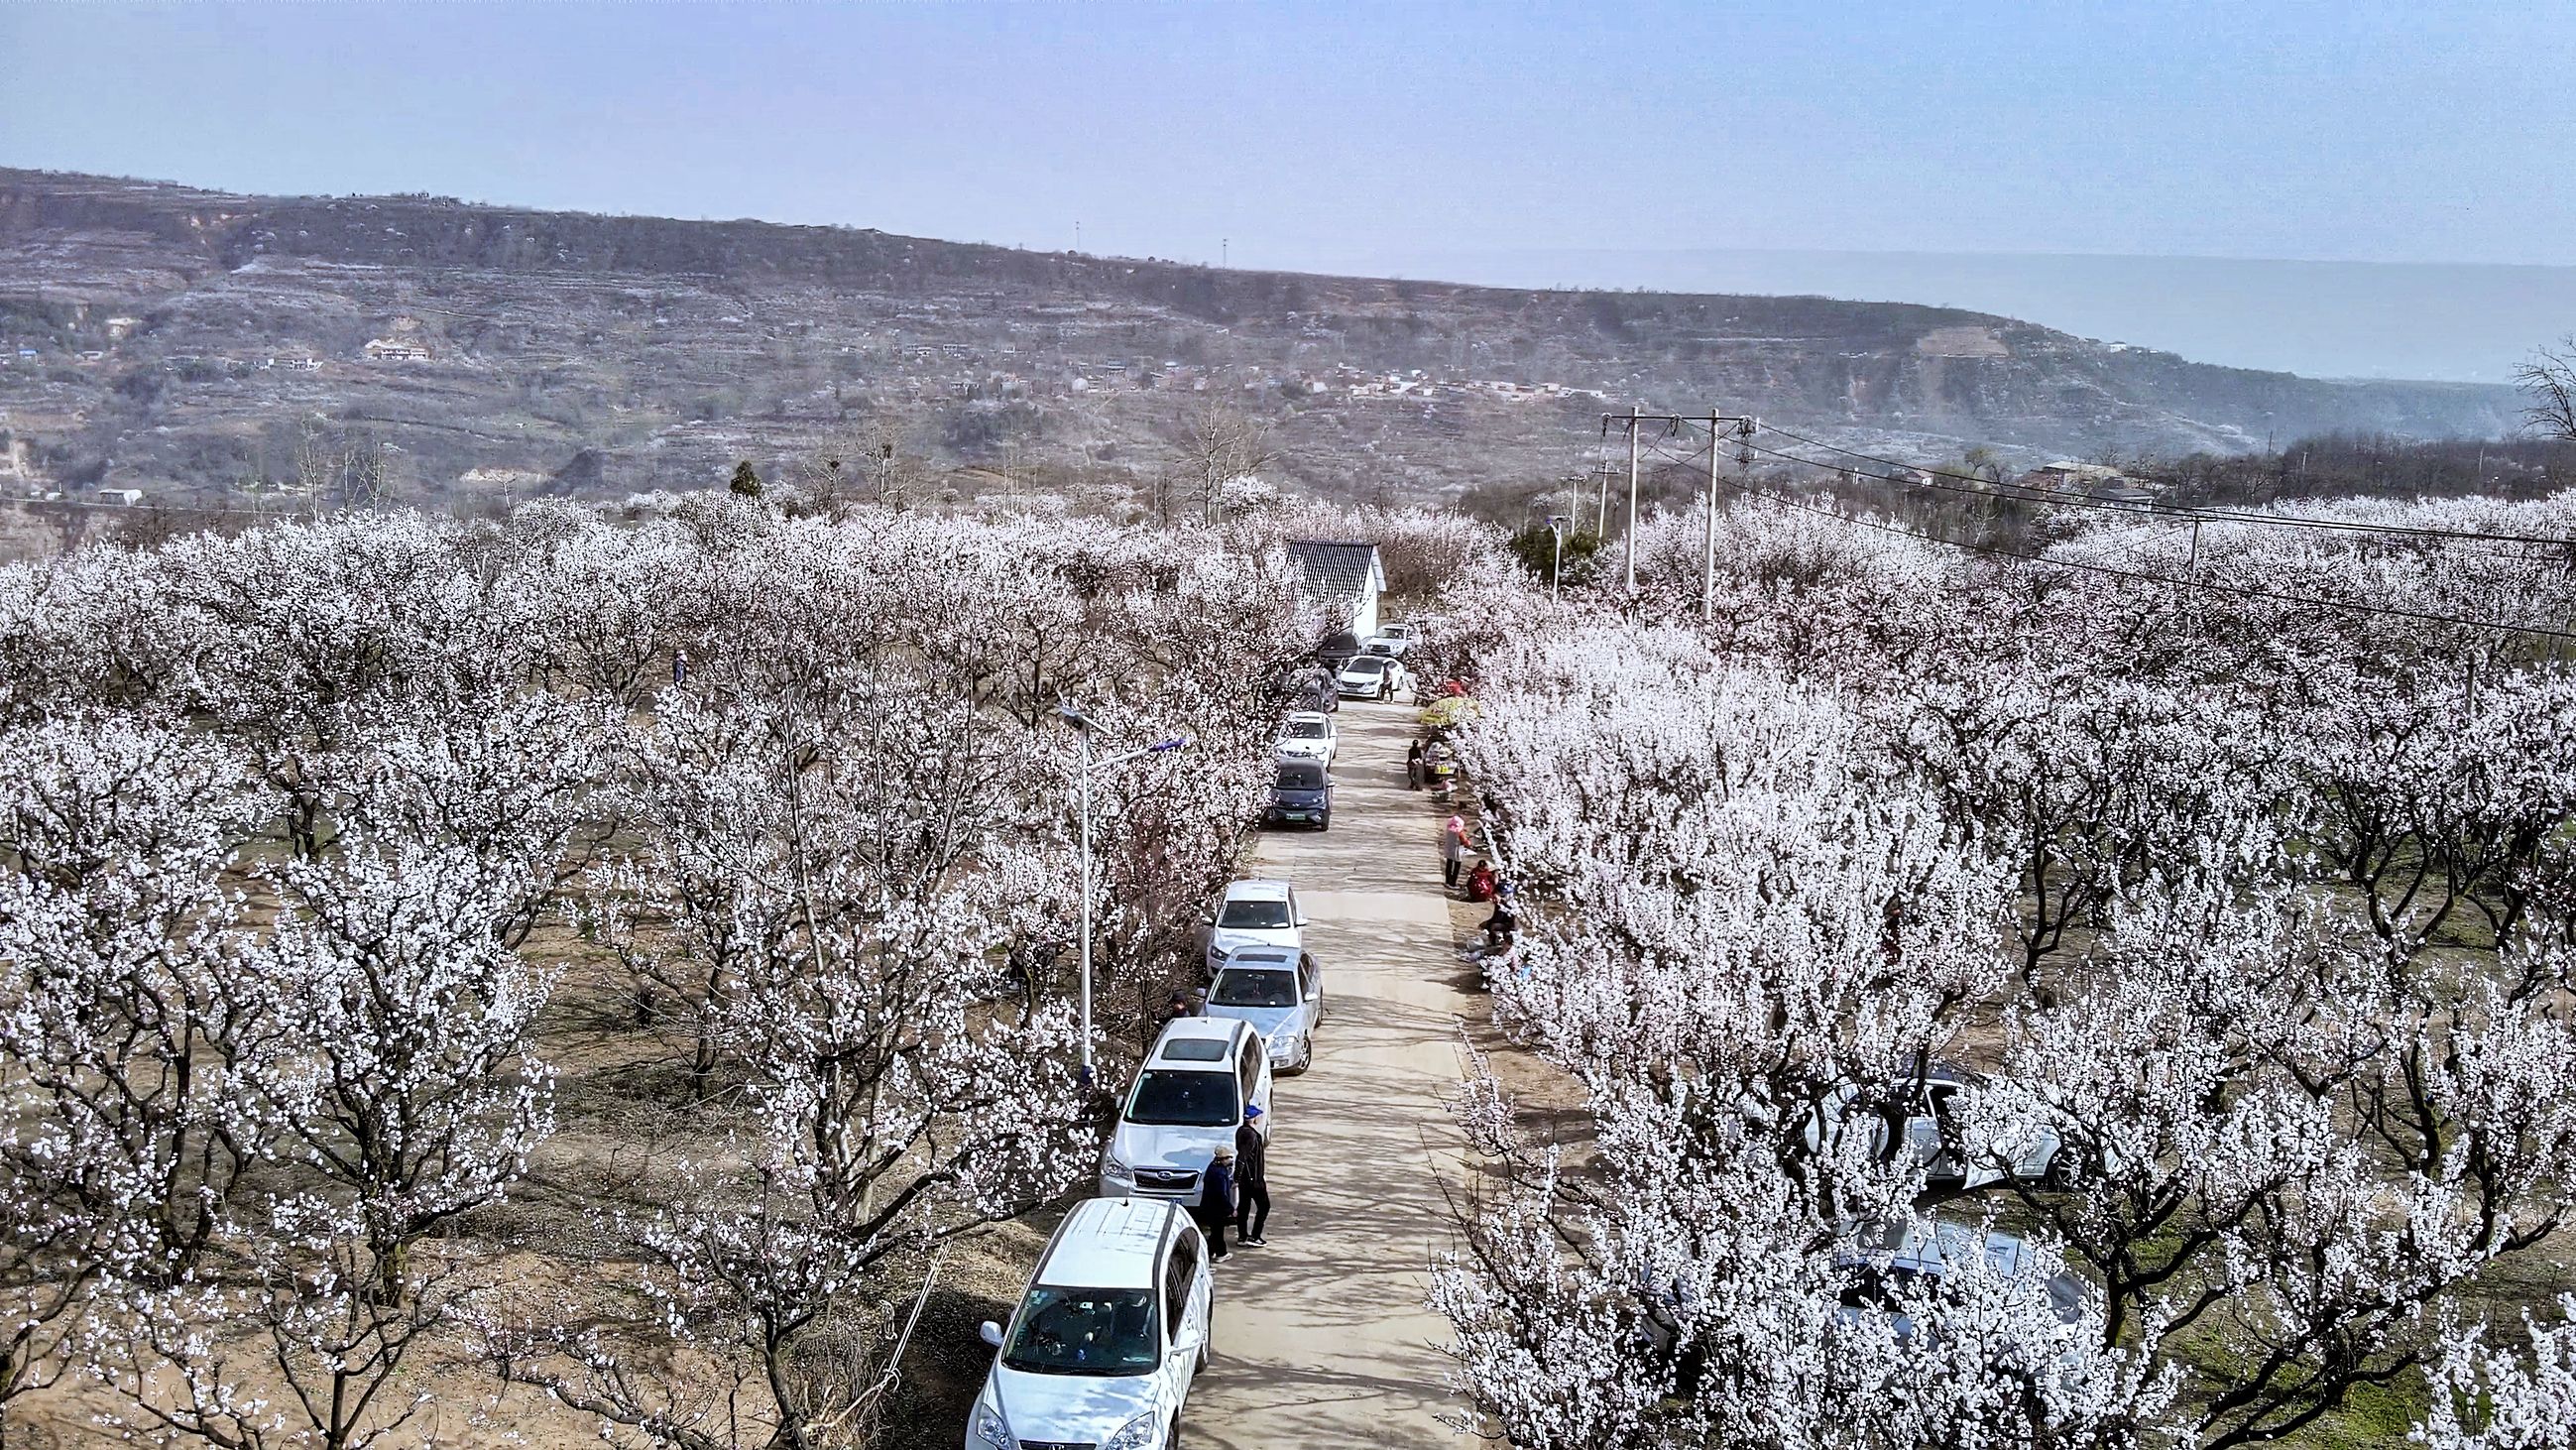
point(1185, 1340)
point(990, 1333)
point(1301, 918)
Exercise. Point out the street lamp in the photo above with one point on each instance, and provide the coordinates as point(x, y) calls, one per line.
point(1556, 564)
point(1082, 727)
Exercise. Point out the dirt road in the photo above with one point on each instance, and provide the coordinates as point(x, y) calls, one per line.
point(1323, 1339)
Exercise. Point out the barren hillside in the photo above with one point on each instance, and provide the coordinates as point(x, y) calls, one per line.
point(178, 341)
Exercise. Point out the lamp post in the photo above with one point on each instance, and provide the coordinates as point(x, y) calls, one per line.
point(1082, 728)
point(1556, 562)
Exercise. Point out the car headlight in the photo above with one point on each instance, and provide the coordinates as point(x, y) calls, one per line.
point(992, 1429)
point(1141, 1433)
point(1283, 1044)
point(1111, 1167)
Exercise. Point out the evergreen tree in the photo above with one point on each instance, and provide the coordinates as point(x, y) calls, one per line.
point(746, 480)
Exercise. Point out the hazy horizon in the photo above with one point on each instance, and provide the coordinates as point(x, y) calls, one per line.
point(2468, 323)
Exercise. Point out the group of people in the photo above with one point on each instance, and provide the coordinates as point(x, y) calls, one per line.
point(1483, 883)
point(1237, 1190)
point(1431, 763)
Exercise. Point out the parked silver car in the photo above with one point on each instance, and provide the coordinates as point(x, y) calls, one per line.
point(1280, 991)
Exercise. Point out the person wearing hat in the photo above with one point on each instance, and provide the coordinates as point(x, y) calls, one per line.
point(1217, 1200)
point(1251, 1179)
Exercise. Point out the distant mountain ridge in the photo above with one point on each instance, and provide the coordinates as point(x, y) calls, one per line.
point(661, 346)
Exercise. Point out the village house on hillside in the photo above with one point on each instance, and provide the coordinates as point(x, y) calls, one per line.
point(2073, 477)
point(1344, 580)
point(404, 343)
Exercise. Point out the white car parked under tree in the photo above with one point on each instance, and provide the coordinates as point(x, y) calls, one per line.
point(1108, 1338)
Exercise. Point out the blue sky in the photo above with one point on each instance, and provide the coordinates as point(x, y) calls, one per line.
point(2419, 132)
point(1306, 134)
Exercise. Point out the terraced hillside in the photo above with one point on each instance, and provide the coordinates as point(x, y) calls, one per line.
point(187, 342)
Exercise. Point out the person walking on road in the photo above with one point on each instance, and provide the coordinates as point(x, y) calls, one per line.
point(1218, 1200)
point(1453, 849)
point(1413, 766)
point(1251, 1179)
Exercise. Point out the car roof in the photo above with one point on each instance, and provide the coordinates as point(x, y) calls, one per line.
point(1299, 717)
point(1259, 890)
point(1196, 1029)
point(1267, 958)
point(1107, 1243)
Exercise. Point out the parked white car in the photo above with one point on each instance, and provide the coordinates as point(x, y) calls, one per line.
point(1280, 991)
point(1108, 1338)
point(1254, 914)
point(1188, 1098)
point(1308, 735)
point(1881, 1259)
point(1392, 639)
point(1931, 1119)
point(1372, 677)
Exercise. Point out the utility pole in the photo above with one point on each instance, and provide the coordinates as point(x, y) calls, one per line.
point(1082, 728)
point(1601, 517)
point(1718, 424)
point(1633, 416)
point(1556, 569)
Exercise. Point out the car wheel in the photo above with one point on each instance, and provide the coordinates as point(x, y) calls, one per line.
point(1172, 1441)
point(1324, 822)
point(1306, 1054)
point(2061, 1173)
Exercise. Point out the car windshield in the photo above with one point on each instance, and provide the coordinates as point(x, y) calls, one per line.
point(1084, 1331)
point(1365, 665)
point(1255, 915)
point(1183, 1099)
point(1255, 989)
point(1301, 777)
point(1305, 730)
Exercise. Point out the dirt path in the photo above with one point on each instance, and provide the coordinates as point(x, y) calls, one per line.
point(1323, 1339)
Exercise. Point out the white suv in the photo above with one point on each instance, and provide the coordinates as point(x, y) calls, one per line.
point(1105, 1343)
point(1254, 914)
point(1188, 1098)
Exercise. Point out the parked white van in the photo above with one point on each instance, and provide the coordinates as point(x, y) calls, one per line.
point(1188, 1097)
point(1107, 1340)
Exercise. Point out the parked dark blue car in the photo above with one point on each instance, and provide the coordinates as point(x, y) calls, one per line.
point(1303, 793)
